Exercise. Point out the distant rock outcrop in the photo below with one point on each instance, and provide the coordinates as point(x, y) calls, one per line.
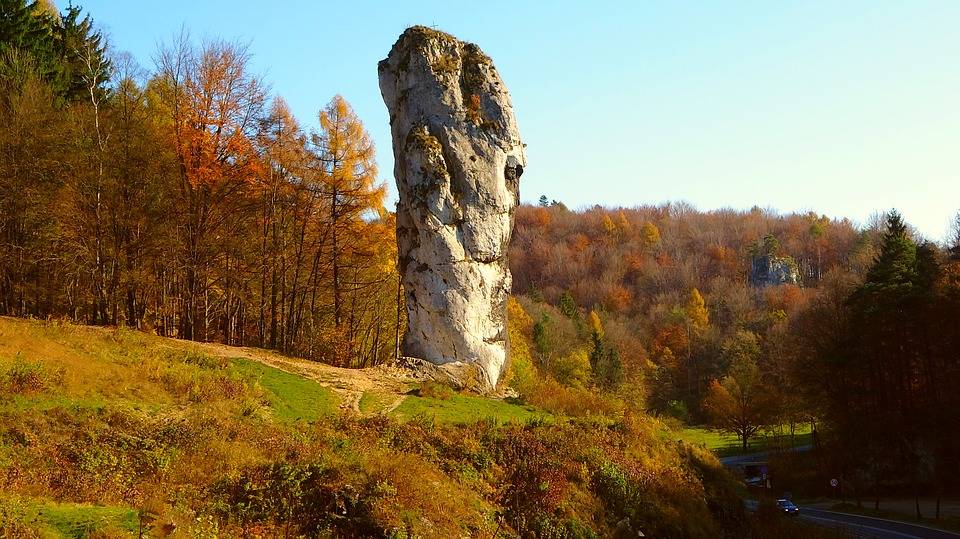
point(770, 270)
point(458, 161)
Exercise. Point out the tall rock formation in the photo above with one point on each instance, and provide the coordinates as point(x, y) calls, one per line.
point(458, 161)
point(772, 270)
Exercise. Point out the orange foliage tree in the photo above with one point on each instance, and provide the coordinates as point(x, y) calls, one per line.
point(212, 101)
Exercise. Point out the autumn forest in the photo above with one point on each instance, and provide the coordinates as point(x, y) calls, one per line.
point(185, 200)
point(188, 202)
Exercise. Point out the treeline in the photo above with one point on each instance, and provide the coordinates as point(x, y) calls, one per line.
point(185, 200)
point(878, 359)
point(672, 288)
point(864, 349)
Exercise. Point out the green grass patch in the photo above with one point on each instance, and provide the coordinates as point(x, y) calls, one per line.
point(45, 403)
point(728, 444)
point(464, 409)
point(54, 519)
point(78, 520)
point(371, 402)
point(292, 397)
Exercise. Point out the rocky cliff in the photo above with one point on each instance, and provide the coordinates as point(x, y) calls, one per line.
point(769, 270)
point(458, 162)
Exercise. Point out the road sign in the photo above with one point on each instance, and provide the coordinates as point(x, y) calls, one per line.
point(834, 482)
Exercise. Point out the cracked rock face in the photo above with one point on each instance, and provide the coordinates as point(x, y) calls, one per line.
point(458, 162)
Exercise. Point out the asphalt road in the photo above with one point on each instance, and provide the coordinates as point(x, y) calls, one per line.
point(738, 460)
point(855, 525)
point(879, 528)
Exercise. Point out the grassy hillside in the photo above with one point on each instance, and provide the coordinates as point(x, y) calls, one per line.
point(104, 433)
point(724, 444)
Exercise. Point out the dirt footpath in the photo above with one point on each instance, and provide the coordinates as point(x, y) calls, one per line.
point(349, 384)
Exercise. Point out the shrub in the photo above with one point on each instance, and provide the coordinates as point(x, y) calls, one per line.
point(13, 522)
point(554, 397)
point(204, 361)
point(574, 369)
point(435, 390)
point(305, 495)
point(199, 384)
point(521, 374)
point(535, 479)
point(27, 377)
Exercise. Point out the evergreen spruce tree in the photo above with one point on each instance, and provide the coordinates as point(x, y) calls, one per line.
point(612, 371)
point(596, 352)
point(540, 340)
point(81, 55)
point(67, 52)
point(896, 265)
point(25, 27)
point(568, 306)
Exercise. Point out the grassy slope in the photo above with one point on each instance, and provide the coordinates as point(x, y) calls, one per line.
point(93, 370)
point(101, 367)
point(291, 397)
point(97, 426)
point(727, 444)
point(90, 371)
point(73, 519)
point(463, 409)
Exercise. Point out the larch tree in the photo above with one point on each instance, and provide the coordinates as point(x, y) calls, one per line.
point(170, 201)
point(697, 319)
point(650, 235)
point(696, 310)
point(346, 158)
point(32, 157)
point(286, 161)
point(214, 103)
point(139, 165)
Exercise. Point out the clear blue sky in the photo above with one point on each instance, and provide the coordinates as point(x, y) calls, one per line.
point(844, 108)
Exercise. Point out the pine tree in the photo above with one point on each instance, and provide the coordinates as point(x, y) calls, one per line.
point(540, 340)
point(27, 28)
point(896, 264)
point(83, 66)
point(67, 51)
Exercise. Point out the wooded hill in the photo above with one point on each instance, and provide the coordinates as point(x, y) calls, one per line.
point(186, 201)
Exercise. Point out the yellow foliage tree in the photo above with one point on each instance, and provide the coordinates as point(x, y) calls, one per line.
point(608, 225)
point(696, 311)
point(623, 223)
point(595, 324)
point(521, 374)
point(346, 156)
point(650, 234)
point(574, 369)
